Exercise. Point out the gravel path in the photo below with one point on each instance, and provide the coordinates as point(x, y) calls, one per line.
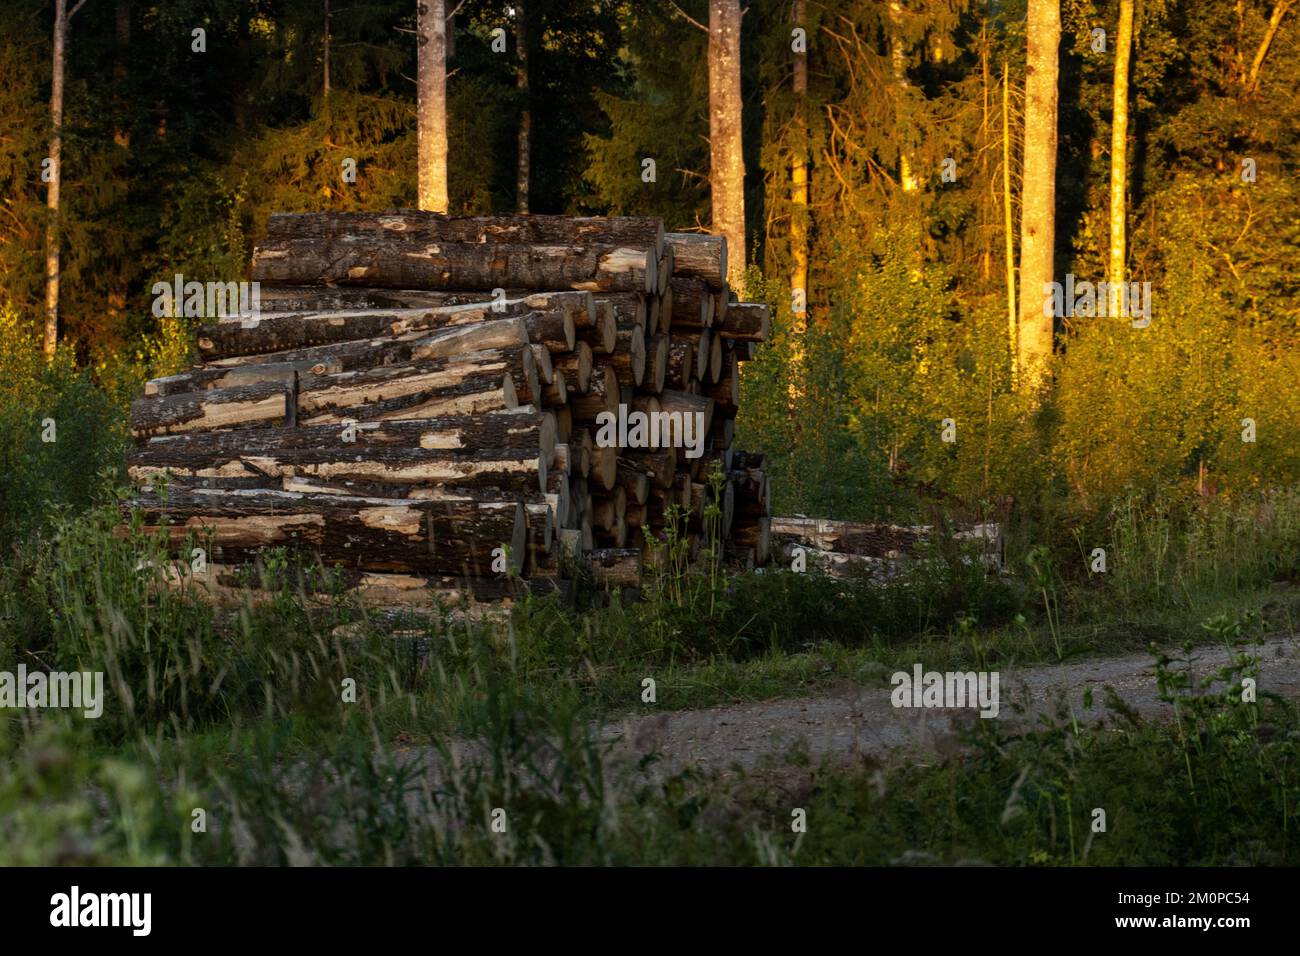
point(862, 720)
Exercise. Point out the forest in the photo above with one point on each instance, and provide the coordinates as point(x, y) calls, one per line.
point(1031, 273)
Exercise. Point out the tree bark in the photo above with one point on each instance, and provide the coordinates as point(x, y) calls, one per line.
point(746, 322)
point(629, 308)
point(726, 146)
point(401, 344)
point(523, 177)
point(697, 255)
point(602, 396)
point(902, 87)
point(431, 96)
point(692, 305)
point(1119, 156)
point(453, 535)
point(245, 453)
point(62, 21)
point(602, 334)
point(576, 366)
point(799, 213)
point(656, 364)
point(517, 428)
point(1038, 194)
point(477, 382)
point(1008, 226)
point(420, 226)
point(620, 567)
point(404, 263)
point(260, 403)
point(629, 357)
point(202, 379)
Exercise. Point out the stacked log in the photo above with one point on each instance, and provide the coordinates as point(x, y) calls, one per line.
point(461, 401)
point(841, 547)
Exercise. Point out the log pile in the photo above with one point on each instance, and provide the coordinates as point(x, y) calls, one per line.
point(419, 402)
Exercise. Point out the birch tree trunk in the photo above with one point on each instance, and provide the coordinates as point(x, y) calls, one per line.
point(1119, 155)
point(726, 146)
point(52, 198)
point(1038, 193)
point(431, 84)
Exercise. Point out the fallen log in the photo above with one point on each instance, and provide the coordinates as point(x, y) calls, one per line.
point(556, 394)
point(620, 567)
point(629, 308)
point(421, 226)
point(555, 330)
point(746, 321)
point(523, 427)
point(601, 334)
point(260, 403)
point(395, 261)
point(755, 533)
point(477, 382)
point(576, 366)
point(628, 360)
point(242, 454)
point(201, 379)
point(403, 345)
point(449, 536)
point(692, 305)
point(602, 395)
point(697, 255)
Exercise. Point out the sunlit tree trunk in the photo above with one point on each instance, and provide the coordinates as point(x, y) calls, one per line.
point(62, 18)
point(1270, 33)
point(727, 160)
point(431, 83)
point(1119, 153)
point(898, 58)
point(1038, 193)
point(799, 216)
point(1008, 222)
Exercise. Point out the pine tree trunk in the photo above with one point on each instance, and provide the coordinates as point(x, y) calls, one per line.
point(726, 145)
point(799, 224)
point(1038, 194)
point(431, 84)
point(325, 57)
point(898, 60)
point(1008, 223)
point(524, 169)
point(1119, 154)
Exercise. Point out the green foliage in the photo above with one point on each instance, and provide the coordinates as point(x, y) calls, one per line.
point(62, 438)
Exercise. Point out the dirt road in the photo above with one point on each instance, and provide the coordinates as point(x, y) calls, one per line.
point(862, 720)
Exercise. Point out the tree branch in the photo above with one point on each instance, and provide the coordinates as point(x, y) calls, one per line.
point(1274, 24)
point(73, 12)
point(672, 3)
